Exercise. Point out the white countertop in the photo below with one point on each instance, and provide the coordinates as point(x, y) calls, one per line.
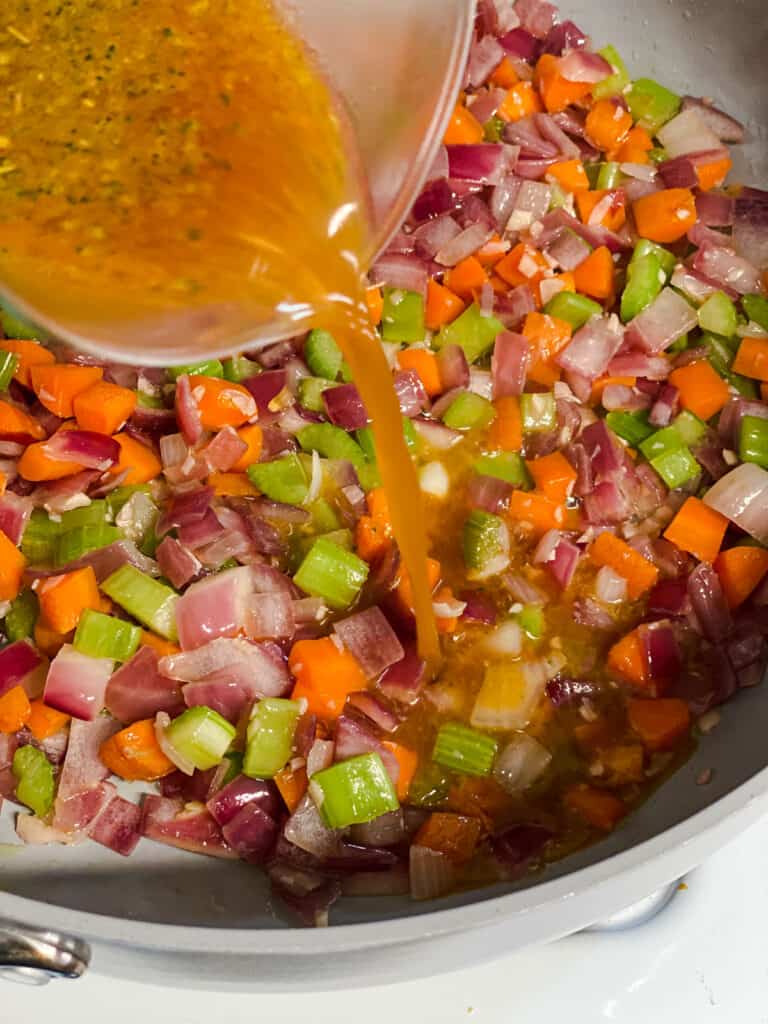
point(703, 959)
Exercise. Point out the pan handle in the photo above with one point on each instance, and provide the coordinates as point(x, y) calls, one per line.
point(33, 956)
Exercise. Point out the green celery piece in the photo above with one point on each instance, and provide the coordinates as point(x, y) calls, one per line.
point(676, 467)
point(645, 279)
point(330, 572)
point(471, 330)
point(35, 774)
point(21, 616)
point(270, 736)
point(633, 427)
point(558, 197)
point(720, 354)
point(468, 411)
point(364, 437)
point(8, 364)
point(311, 392)
point(104, 636)
point(658, 155)
point(430, 786)
point(575, 309)
point(531, 620)
point(609, 175)
point(353, 791)
point(150, 602)
point(331, 442)
point(614, 84)
point(493, 128)
point(146, 401)
point(324, 517)
point(593, 173)
point(412, 439)
point(302, 545)
point(78, 542)
point(651, 105)
point(666, 258)
point(464, 750)
point(202, 736)
point(679, 344)
point(483, 539)
point(538, 411)
point(718, 314)
point(690, 428)
point(14, 325)
point(322, 354)
point(509, 466)
point(239, 368)
point(94, 514)
point(284, 479)
point(660, 442)
point(368, 475)
point(402, 318)
point(753, 440)
point(756, 308)
point(38, 544)
point(205, 368)
point(235, 760)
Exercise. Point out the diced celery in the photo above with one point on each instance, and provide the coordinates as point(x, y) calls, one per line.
point(364, 437)
point(484, 540)
point(146, 401)
point(614, 84)
point(538, 411)
point(676, 467)
point(117, 498)
point(609, 175)
point(285, 479)
point(575, 309)
point(38, 545)
point(690, 428)
point(720, 353)
point(14, 325)
point(464, 750)
point(8, 364)
point(493, 128)
point(651, 105)
point(509, 466)
point(531, 620)
point(324, 518)
point(205, 368)
point(368, 475)
point(21, 616)
point(657, 155)
point(645, 279)
point(322, 354)
point(718, 314)
point(471, 330)
point(234, 758)
point(644, 247)
point(78, 542)
point(104, 636)
point(353, 791)
point(35, 774)
point(302, 545)
point(678, 345)
point(332, 573)
point(311, 392)
point(150, 602)
point(753, 440)
point(331, 442)
point(468, 411)
point(633, 427)
point(593, 173)
point(430, 786)
point(660, 442)
point(93, 514)
point(202, 736)
point(412, 439)
point(270, 736)
point(756, 308)
point(402, 318)
point(239, 368)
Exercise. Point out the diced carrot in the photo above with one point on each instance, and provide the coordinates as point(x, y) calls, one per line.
point(506, 431)
point(665, 216)
point(424, 363)
point(253, 436)
point(608, 123)
point(600, 809)
point(158, 644)
point(35, 464)
point(374, 299)
point(751, 359)
point(404, 588)
point(623, 763)
point(570, 174)
point(547, 335)
point(712, 175)
point(535, 511)
point(12, 565)
point(135, 754)
point(698, 529)
point(553, 475)
point(612, 212)
point(740, 570)
point(28, 354)
point(14, 710)
point(3, 482)
point(138, 459)
point(449, 623)
point(374, 531)
point(48, 640)
point(15, 421)
point(521, 101)
point(292, 785)
point(702, 390)
point(325, 676)
point(64, 598)
point(407, 762)
point(222, 403)
point(104, 407)
point(463, 128)
point(522, 265)
point(491, 251)
point(602, 383)
point(455, 835)
point(556, 91)
point(627, 659)
point(595, 276)
point(660, 723)
point(478, 797)
point(639, 572)
point(505, 76)
point(232, 485)
point(764, 391)
point(635, 147)
point(498, 284)
point(466, 278)
point(57, 384)
point(443, 305)
point(43, 721)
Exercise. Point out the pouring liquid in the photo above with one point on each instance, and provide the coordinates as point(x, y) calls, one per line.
point(159, 156)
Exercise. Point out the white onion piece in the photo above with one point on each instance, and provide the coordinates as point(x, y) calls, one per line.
point(433, 479)
point(316, 480)
point(687, 133)
point(742, 496)
point(520, 763)
point(507, 638)
point(609, 586)
point(162, 721)
point(136, 516)
point(431, 872)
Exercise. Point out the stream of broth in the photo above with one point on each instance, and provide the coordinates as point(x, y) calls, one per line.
point(179, 154)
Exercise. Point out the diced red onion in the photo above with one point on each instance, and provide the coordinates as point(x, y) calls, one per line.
point(117, 826)
point(431, 873)
point(661, 651)
point(199, 532)
point(62, 495)
point(76, 683)
point(410, 392)
point(437, 197)
point(725, 127)
point(478, 607)
point(187, 413)
point(345, 407)
point(513, 307)
point(509, 364)
point(726, 268)
point(750, 227)
point(400, 271)
point(619, 396)
point(83, 769)
point(215, 607)
point(270, 616)
point(596, 235)
point(565, 36)
point(536, 16)
point(687, 133)
point(166, 821)
point(224, 805)
point(485, 55)
point(436, 435)
point(189, 507)
point(533, 198)
point(488, 493)
point(88, 448)
point(375, 709)
point(742, 496)
point(583, 66)
point(568, 250)
point(667, 318)
point(224, 450)
point(138, 690)
point(370, 638)
point(678, 173)
point(521, 43)
point(715, 209)
point(432, 236)
point(83, 808)
point(306, 829)
point(521, 763)
point(20, 663)
point(666, 406)
point(402, 681)
point(522, 589)
point(14, 516)
point(591, 349)
point(639, 364)
point(563, 563)
point(176, 562)
point(708, 601)
point(485, 105)
point(503, 199)
point(104, 561)
point(483, 163)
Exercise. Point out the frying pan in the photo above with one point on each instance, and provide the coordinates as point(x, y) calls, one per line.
point(166, 916)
